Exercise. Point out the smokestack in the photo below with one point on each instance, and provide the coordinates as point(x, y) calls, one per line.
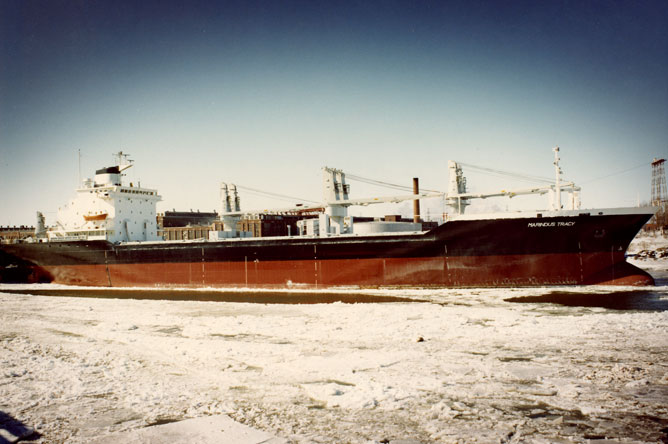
point(416, 202)
point(40, 228)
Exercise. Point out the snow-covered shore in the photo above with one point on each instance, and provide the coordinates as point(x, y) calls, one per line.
point(649, 251)
point(466, 367)
point(648, 241)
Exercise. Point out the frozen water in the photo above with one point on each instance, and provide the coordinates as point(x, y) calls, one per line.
point(203, 430)
point(465, 366)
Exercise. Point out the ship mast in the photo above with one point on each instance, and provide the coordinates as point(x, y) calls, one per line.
point(557, 185)
point(79, 158)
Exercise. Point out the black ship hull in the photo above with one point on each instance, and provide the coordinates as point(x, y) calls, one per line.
point(520, 251)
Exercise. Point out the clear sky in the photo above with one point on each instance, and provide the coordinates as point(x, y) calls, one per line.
point(264, 93)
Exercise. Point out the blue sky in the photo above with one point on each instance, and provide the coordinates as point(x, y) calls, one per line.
point(263, 94)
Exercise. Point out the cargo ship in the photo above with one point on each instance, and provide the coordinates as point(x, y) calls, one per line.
point(108, 236)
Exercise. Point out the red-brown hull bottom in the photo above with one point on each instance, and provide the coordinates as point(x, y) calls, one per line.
point(462, 271)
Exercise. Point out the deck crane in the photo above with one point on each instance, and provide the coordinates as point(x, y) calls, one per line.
point(459, 199)
point(336, 198)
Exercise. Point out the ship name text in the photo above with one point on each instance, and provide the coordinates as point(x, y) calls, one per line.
point(550, 224)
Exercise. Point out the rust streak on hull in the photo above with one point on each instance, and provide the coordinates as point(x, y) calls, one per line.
point(464, 271)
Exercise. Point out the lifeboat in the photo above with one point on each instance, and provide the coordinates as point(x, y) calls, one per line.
point(95, 217)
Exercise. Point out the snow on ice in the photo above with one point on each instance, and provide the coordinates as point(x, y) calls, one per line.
point(464, 366)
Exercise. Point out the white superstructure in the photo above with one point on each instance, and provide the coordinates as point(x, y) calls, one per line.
point(106, 209)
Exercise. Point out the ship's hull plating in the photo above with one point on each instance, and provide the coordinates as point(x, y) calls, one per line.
point(570, 250)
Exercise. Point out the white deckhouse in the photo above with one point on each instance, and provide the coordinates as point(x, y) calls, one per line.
point(105, 209)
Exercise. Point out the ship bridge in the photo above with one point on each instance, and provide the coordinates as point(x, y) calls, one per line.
point(107, 209)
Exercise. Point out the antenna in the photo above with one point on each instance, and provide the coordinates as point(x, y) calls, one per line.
point(79, 183)
point(123, 162)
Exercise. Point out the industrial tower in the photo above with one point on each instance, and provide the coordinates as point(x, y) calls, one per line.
point(659, 195)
